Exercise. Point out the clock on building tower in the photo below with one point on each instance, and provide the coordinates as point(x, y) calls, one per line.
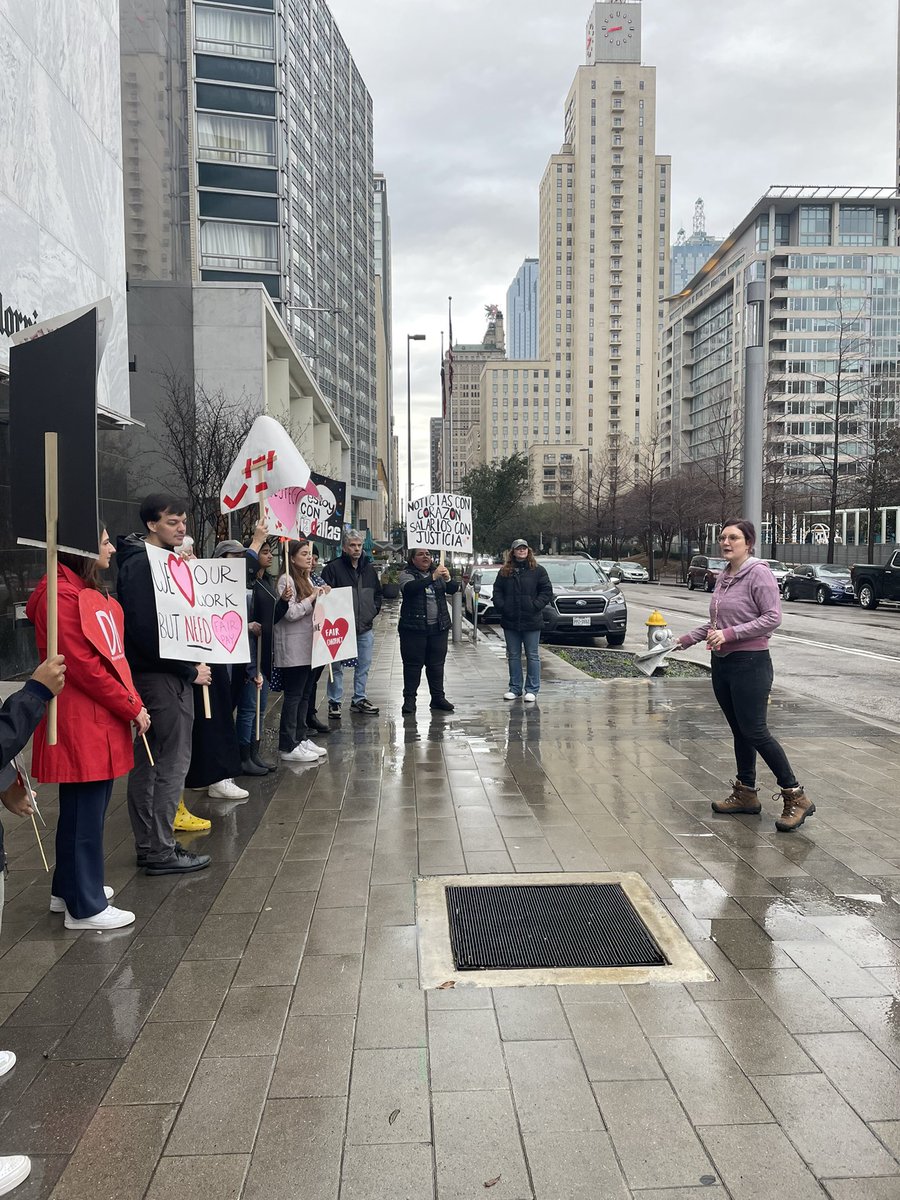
point(614, 32)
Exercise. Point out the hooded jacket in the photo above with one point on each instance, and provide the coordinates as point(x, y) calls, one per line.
point(134, 588)
point(19, 717)
point(522, 596)
point(340, 572)
point(745, 607)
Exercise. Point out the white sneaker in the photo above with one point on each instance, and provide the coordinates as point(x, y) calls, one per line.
point(319, 751)
point(57, 904)
point(14, 1169)
point(510, 695)
point(530, 697)
point(7, 1061)
point(226, 789)
point(110, 918)
point(299, 754)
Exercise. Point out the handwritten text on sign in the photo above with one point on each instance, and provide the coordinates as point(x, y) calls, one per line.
point(441, 521)
point(201, 607)
point(334, 628)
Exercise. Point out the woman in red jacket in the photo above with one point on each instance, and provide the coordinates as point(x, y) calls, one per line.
point(94, 738)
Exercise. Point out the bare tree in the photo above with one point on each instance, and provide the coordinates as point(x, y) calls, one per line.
point(644, 499)
point(198, 435)
point(719, 460)
point(878, 477)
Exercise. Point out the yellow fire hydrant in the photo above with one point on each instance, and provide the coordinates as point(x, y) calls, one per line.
point(658, 632)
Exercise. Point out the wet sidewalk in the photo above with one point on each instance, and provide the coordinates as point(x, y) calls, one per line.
point(261, 1033)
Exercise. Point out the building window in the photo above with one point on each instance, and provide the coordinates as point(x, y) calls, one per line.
point(762, 233)
point(815, 225)
point(236, 139)
point(242, 247)
point(782, 229)
point(231, 31)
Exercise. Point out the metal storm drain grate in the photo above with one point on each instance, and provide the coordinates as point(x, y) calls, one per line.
point(548, 926)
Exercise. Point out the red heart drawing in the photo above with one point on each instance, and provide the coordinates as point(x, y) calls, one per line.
point(334, 633)
point(181, 577)
point(228, 629)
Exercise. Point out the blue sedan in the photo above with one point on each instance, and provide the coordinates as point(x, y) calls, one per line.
point(822, 582)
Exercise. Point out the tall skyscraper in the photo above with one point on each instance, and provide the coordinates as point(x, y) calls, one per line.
point(604, 242)
point(464, 405)
point(385, 508)
point(690, 253)
point(253, 127)
point(522, 311)
point(436, 462)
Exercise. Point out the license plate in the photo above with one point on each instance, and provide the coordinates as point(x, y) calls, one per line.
point(581, 620)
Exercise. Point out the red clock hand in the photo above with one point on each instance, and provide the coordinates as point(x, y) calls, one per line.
point(615, 29)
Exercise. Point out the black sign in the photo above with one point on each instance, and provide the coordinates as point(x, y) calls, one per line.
point(330, 528)
point(53, 388)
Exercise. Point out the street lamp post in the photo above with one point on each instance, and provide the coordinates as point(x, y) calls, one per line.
point(410, 337)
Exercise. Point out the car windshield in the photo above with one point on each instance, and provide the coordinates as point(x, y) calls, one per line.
point(577, 571)
point(830, 572)
point(717, 564)
point(774, 564)
point(488, 577)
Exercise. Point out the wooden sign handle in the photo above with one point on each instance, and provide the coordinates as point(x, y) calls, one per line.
point(51, 507)
point(258, 688)
point(207, 711)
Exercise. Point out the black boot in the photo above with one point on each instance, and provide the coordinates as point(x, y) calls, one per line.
point(409, 704)
point(257, 757)
point(442, 704)
point(248, 765)
point(313, 723)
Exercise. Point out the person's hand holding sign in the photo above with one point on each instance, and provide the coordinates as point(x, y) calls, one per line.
point(441, 572)
point(52, 674)
point(17, 799)
point(204, 675)
point(142, 721)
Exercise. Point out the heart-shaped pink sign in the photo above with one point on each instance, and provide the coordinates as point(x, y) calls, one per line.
point(228, 629)
point(333, 633)
point(283, 505)
point(181, 577)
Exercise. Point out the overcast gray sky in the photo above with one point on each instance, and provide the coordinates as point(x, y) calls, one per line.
point(468, 102)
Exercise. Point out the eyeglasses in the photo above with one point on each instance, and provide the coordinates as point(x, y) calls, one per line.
point(732, 537)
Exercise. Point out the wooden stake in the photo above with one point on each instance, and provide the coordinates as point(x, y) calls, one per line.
point(37, 834)
point(207, 712)
point(147, 748)
point(258, 673)
point(443, 552)
point(51, 500)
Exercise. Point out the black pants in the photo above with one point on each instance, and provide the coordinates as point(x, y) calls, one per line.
point(78, 877)
point(419, 649)
point(741, 682)
point(311, 703)
point(296, 682)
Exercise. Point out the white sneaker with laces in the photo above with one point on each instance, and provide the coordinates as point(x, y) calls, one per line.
point(226, 789)
point(57, 904)
point(14, 1169)
point(7, 1061)
point(319, 751)
point(530, 697)
point(110, 918)
point(299, 754)
point(510, 695)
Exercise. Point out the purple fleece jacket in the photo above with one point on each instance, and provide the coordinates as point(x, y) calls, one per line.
point(746, 607)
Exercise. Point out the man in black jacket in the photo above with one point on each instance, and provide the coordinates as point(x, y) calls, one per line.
point(354, 570)
point(165, 685)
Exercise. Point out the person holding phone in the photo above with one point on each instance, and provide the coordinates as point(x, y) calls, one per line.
point(423, 625)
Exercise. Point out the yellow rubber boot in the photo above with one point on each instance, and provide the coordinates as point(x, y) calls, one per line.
point(186, 822)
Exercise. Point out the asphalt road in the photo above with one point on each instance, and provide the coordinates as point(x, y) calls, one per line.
point(843, 655)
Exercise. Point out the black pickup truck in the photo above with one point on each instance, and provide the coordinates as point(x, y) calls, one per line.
point(873, 584)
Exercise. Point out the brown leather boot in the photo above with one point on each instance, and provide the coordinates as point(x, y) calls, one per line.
point(743, 799)
point(797, 807)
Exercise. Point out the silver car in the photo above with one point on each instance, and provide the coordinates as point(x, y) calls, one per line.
point(481, 581)
point(629, 572)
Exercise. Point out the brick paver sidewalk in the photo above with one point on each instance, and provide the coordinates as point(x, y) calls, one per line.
point(260, 1032)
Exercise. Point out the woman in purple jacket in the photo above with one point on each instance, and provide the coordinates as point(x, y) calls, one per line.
point(744, 611)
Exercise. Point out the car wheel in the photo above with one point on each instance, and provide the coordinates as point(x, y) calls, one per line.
point(691, 584)
point(615, 639)
point(822, 596)
point(787, 594)
point(867, 597)
point(709, 586)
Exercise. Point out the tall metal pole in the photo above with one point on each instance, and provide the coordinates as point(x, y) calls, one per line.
point(408, 429)
point(754, 403)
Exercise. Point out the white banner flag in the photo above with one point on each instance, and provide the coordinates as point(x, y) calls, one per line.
point(201, 605)
point(334, 628)
point(441, 521)
point(269, 467)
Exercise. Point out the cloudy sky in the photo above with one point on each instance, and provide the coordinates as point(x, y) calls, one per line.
point(468, 100)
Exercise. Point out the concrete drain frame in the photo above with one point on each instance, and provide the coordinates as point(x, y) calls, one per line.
point(437, 967)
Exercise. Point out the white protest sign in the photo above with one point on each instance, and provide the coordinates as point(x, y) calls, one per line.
point(441, 521)
point(268, 468)
point(334, 628)
point(201, 606)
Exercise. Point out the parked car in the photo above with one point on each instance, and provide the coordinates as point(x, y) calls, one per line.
point(606, 564)
point(872, 584)
point(779, 569)
point(482, 581)
point(630, 572)
point(822, 582)
point(704, 571)
point(585, 601)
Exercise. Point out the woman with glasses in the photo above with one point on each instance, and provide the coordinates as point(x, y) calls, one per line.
point(744, 611)
point(423, 625)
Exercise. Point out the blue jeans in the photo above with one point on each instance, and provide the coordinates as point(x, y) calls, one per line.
point(365, 643)
point(516, 642)
point(245, 722)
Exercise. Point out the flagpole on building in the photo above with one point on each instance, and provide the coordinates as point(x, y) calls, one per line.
point(448, 482)
point(438, 484)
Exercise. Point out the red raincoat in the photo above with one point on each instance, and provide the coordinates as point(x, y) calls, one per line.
point(99, 702)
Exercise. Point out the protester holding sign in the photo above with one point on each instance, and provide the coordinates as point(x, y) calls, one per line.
point(354, 570)
point(424, 622)
point(166, 685)
point(265, 611)
point(293, 653)
point(94, 740)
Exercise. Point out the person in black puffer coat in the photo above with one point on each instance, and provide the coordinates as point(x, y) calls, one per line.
point(423, 625)
point(521, 593)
